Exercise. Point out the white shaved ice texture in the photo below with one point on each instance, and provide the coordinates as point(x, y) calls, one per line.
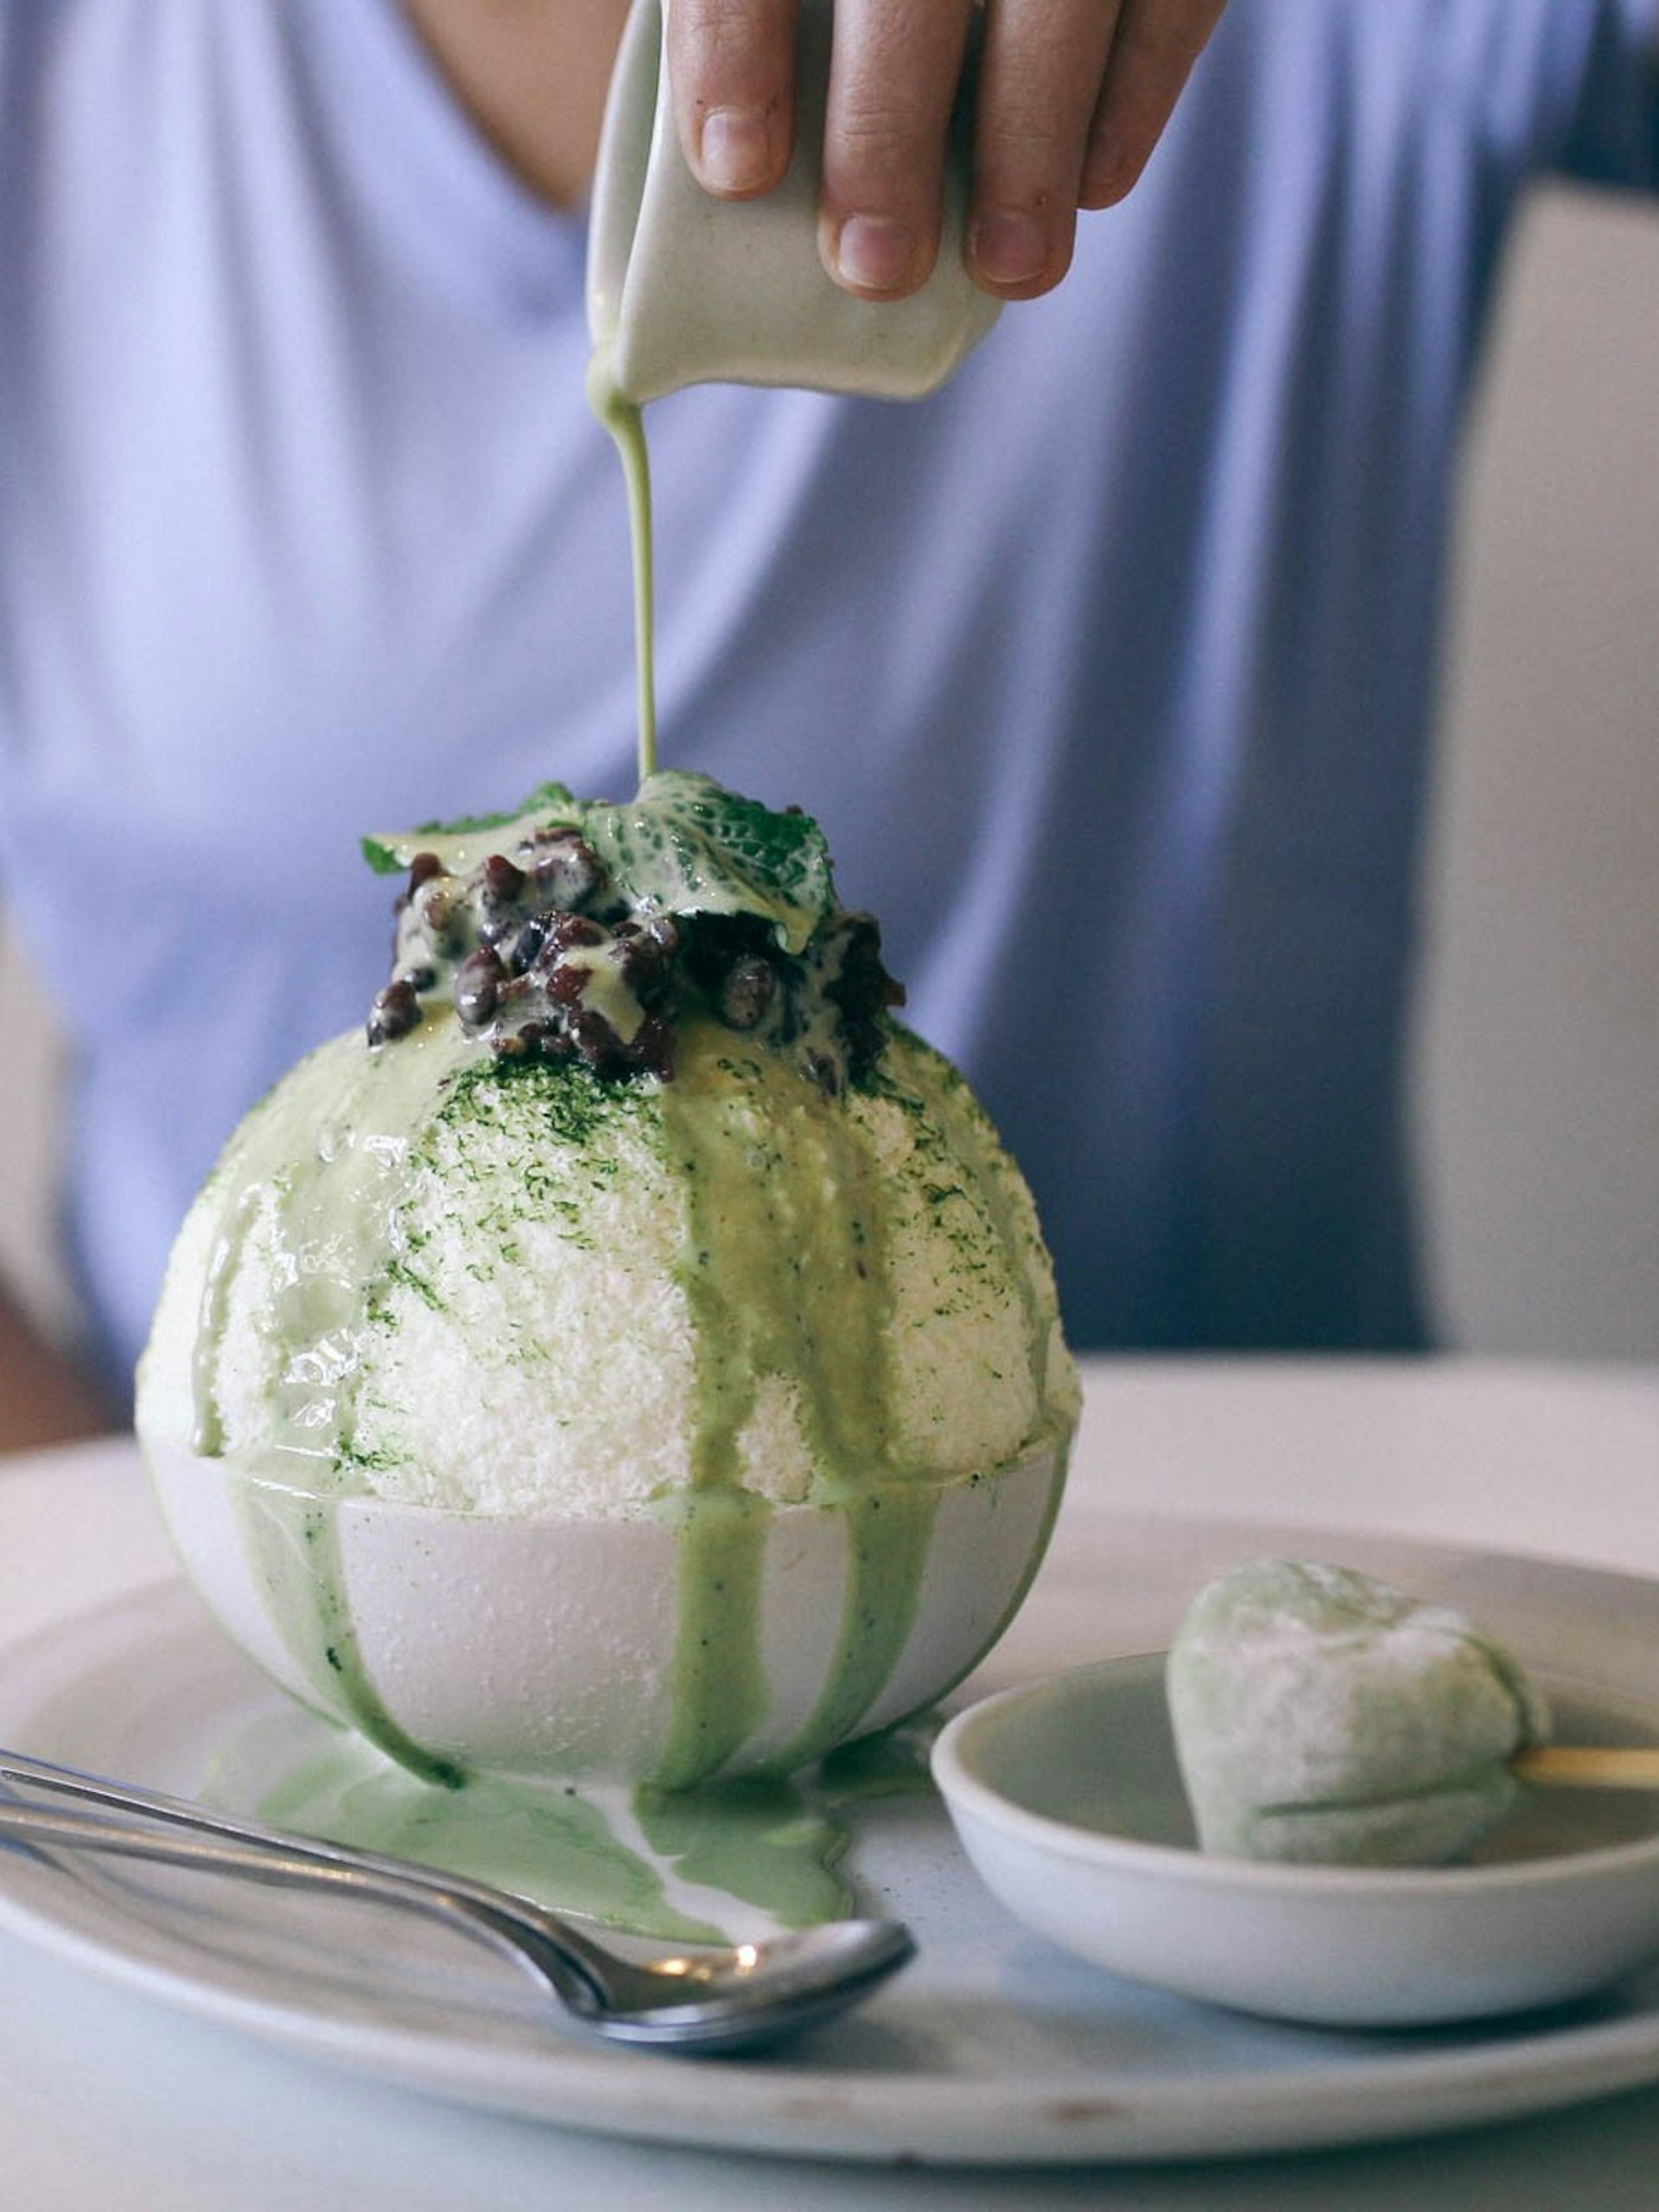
point(532, 1348)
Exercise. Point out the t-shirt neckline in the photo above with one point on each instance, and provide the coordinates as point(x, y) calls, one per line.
point(534, 250)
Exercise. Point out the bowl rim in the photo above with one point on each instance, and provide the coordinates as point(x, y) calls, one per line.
point(965, 1790)
point(1038, 1455)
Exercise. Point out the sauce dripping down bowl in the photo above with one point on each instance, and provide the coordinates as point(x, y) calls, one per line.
point(533, 1425)
point(646, 1649)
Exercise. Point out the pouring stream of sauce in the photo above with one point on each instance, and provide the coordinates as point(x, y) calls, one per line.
point(622, 419)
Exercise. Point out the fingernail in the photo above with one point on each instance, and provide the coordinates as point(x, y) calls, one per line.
point(875, 253)
point(734, 152)
point(1009, 249)
point(1107, 176)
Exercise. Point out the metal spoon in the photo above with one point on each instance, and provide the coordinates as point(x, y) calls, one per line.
point(695, 2000)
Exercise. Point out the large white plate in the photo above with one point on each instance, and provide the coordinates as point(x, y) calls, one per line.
point(993, 2046)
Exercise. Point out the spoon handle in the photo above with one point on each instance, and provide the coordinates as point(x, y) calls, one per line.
point(267, 1862)
point(1589, 1766)
point(129, 1798)
point(697, 1997)
point(586, 1973)
point(181, 1812)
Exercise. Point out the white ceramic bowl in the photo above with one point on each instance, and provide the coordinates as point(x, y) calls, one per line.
point(553, 1646)
point(1068, 1800)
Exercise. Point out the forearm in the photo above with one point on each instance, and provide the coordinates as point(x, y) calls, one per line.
point(44, 1397)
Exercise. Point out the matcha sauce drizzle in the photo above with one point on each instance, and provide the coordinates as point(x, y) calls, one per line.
point(784, 1269)
point(622, 419)
point(332, 1211)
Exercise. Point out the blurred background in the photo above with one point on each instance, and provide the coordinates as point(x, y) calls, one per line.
point(1538, 1046)
point(1538, 1060)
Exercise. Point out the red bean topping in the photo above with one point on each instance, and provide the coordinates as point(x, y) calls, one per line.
point(395, 1012)
point(652, 1050)
point(595, 1038)
point(747, 995)
point(441, 910)
point(552, 1041)
point(567, 870)
point(517, 946)
point(566, 982)
point(527, 945)
point(499, 879)
point(478, 985)
point(566, 931)
point(643, 964)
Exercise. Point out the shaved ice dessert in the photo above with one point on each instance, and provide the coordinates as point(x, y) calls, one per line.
point(1323, 1716)
point(636, 1356)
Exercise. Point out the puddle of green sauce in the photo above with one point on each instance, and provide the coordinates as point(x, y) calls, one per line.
point(767, 1847)
point(762, 1839)
point(543, 1840)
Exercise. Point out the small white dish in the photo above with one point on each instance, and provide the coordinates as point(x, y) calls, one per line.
point(1068, 1800)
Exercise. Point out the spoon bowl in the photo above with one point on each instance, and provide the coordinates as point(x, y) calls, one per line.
point(709, 1999)
point(1068, 1799)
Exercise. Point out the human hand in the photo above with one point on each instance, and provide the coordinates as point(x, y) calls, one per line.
point(1072, 97)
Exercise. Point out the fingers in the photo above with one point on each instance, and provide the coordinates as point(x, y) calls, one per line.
point(1039, 88)
point(732, 68)
point(1155, 44)
point(1072, 97)
point(893, 83)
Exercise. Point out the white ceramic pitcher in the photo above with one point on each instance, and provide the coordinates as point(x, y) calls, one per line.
point(685, 289)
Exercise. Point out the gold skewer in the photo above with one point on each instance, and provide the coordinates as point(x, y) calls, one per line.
point(1588, 1766)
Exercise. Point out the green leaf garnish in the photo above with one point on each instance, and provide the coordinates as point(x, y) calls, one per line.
point(683, 846)
point(470, 838)
point(686, 846)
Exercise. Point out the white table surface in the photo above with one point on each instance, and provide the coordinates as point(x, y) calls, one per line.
point(109, 2099)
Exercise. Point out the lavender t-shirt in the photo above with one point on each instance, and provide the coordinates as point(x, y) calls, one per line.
point(1108, 670)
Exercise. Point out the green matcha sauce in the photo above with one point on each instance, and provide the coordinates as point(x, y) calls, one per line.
point(728, 1862)
point(781, 1184)
point(622, 419)
point(332, 1209)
